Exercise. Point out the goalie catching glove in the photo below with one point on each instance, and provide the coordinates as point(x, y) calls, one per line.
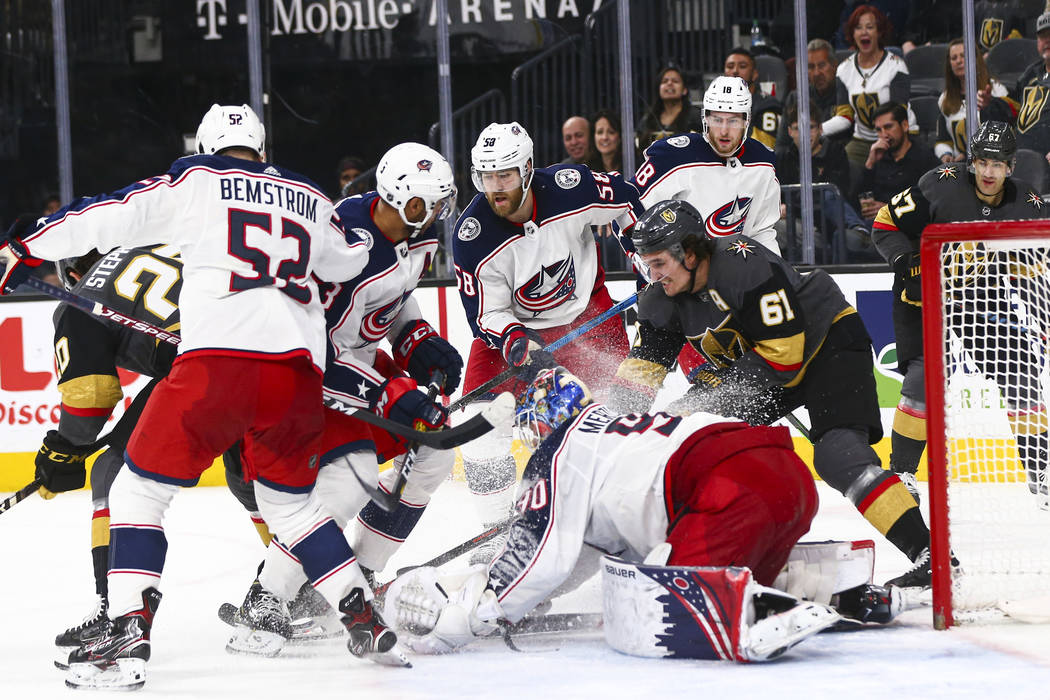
point(419, 350)
point(60, 465)
point(438, 613)
point(909, 278)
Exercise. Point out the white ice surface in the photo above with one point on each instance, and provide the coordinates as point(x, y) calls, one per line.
point(46, 585)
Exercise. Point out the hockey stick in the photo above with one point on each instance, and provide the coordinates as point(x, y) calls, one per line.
point(799, 425)
point(440, 440)
point(102, 311)
point(448, 555)
point(390, 500)
point(555, 345)
point(19, 495)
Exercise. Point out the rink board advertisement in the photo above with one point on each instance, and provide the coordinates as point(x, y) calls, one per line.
point(29, 397)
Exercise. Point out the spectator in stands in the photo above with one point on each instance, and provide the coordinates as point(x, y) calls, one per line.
point(992, 102)
point(822, 92)
point(51, 204)
point(997, 20)
point(870, 77)
point(828, 164)
point(895, 161)
point(348, 170)
point(1030, 93)
point(670, 112)
point(606, 144)
point(765, 109)
point(575, 136)
point(932, 22)
point(897, 12)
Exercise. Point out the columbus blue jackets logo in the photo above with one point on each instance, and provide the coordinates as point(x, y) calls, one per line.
point(567, 178)
point(366, 236)
point(729, 218)
point(552, 286)
point(469, 229)
point(680, 141)
point(424, 165)
point(375, 324)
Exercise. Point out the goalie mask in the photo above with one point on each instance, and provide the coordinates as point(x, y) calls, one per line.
point(228, 126)
point(552, 398)
point(501, 147)
point(411, 170)
point(727, 94)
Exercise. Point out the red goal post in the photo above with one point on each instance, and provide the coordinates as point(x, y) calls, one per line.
point(939, 358)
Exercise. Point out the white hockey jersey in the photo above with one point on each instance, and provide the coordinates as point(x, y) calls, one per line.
point(951, 136)
point(861, 90)
point(599, 480)
point(735, 195)
point(372, 306)
point(252, 238)
point(542, 273)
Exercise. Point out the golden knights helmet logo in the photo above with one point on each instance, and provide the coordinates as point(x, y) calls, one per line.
point(991, 32)
point(1032, 104)
point(864, 106)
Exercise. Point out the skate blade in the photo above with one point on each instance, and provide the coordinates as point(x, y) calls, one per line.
point(394, 657)
point(62, 657)
point(311, 629)
point(251, 642)
point(125, 674)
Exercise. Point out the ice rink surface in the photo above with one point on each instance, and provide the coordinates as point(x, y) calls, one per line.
point(46, 585)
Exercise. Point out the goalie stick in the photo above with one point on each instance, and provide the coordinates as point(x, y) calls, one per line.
point(551, 347)
point(440, 440)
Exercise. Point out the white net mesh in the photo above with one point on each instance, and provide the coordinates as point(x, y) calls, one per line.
point(996, 304)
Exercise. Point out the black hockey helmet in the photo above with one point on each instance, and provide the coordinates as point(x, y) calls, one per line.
point(80, 266)
point(994, 141)
point(665, 225)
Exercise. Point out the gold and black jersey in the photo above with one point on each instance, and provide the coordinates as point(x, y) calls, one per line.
point(1032, 97)
point(756, 313)
point(945, 194)
point(139, 283)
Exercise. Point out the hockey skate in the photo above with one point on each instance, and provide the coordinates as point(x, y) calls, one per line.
point(919, 578)
point(870, 603)
point(370, 638)
point(262, 625)
point(85, 632)
point(116, 660)
point(312, 618)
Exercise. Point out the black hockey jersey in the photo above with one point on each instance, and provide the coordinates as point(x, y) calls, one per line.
point(756, 313)
point(139, 283)
point(947, 193)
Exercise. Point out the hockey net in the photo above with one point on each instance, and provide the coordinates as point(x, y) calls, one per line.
point(986, 316)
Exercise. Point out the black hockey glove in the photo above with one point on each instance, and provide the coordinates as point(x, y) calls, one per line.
point(909, 276)
point(419, 350)
point(60, 464)
point(523, 347)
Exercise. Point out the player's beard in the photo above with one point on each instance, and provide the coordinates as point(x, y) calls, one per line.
point(504, 204)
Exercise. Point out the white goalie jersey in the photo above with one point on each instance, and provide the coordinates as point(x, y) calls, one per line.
point(598, 479)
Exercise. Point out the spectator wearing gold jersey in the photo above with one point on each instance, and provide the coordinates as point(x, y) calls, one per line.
point(993, 103)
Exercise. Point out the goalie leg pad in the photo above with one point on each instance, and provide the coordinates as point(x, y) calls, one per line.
point(716, 613)
point(816, 571)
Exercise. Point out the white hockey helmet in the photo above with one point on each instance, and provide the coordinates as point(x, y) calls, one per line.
point(225, 126)
point(501, 147)
point(728, 93)
point(413, 170)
